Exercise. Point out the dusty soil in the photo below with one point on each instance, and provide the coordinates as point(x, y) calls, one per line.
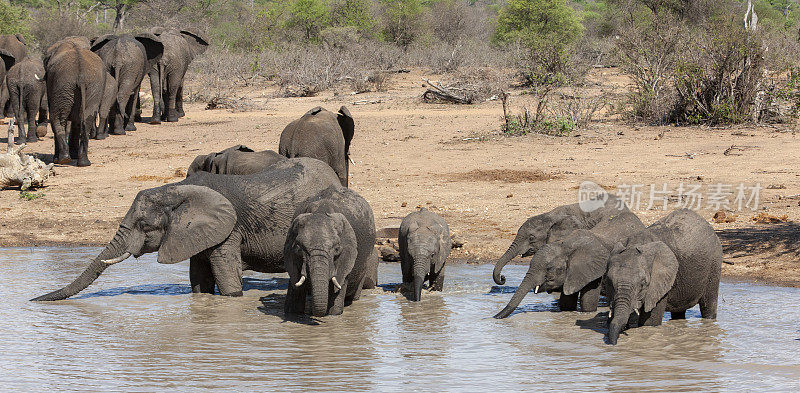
point(451, 159)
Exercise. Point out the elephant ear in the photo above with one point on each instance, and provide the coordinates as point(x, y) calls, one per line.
point(8, 59)
point(348, 127)
point(662, 274)
point(586, 262)
point(101, 41)
point(153, 48)
point(21, 39)
point(290, 262)
point(198, 165)
point(347, 256)
point(562, 227)
point(197, 43)
point(202, 218)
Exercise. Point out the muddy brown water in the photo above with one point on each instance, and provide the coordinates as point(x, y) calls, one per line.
point(138, 328)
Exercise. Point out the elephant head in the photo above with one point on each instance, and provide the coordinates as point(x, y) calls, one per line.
point(638, 277)
point(424, 248)
point(320, 253)
point(176, 220)
point(567, 265)
point(533, 234)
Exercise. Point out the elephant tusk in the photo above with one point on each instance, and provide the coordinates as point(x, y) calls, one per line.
point(536, 290)
point(336, 284)
point(300, 281)
point(37, 77)
point(636, 311)
point(351, 160)
point(118, 259)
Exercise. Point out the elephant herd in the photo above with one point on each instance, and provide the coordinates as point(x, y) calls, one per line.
point(89, 88)
point(292, 212)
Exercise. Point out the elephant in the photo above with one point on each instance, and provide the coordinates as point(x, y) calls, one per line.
point(181, 47)
point(235, 160)
point(127, 58)
point(223, 224)
point(14, 44)
point(26, 89)
point(8, 61)
point(575, 264)
point(76, 80)
point(329, 252)
point(672, 266)
point(71, 41)
point(424, 242)
point(322, 135)
point(106, 104)
point(557, 224)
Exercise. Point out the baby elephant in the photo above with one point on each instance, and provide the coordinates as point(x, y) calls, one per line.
point(26, 88)
point(425, 244)
point(328, 252)
point(235, 160)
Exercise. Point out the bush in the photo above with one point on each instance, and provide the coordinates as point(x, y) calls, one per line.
point(310, 16)
point(13, 19)
point(401, 21)
point(353, 13)
point(49, 26)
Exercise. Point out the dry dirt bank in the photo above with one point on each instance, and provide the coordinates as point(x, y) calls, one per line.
point(448, 158)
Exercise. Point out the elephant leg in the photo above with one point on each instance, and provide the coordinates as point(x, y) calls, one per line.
point(117, 120)
point(179, 101)
point(568, 302)
point(654, 317)
point(137, 116)
point(437, 281)
point(226, 264)
point(170, 113)
point(74, 138)
point(371, 278)
point(83, 140)
point(130, 111)
point(708, 302)
point(61, 154)
point(678, 314)
point(158, 105)
point(337, 306)
point(21, 120)
point(200, 275)
point(295, 302)
point(32, 110)
point(359, 288)
point(590, 296)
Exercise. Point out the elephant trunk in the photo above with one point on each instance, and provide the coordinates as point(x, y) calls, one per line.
point(621, 312)
point(114, 249)
point(320, 285)
point(422, 263)
point(533, 278)
point(512, 252)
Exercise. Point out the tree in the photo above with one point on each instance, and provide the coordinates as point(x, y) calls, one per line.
point(402, 22)
point(121, 8)
point(12, 19)
point(310, 16)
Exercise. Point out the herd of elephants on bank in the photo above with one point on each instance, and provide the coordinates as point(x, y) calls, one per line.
point(292, 211)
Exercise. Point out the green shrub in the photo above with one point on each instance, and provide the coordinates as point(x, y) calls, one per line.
point(13, 19)
point(402, 22)
point(310, 16)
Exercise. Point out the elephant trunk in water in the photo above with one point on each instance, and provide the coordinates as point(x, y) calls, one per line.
point(115, 248)
point(622, 311)
point(421, 268)
point(533, 278)
point(320, 283)
point(512, 252)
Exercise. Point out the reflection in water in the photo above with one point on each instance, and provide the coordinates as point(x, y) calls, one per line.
point(139, 328)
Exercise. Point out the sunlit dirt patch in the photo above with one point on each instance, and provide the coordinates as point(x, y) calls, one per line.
point(503, 175)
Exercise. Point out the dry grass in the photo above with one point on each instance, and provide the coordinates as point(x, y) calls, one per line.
point(503, 175)
point(146, 178)
point(766, 218)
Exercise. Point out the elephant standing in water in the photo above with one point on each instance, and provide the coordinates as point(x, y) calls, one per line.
point(235, 160)
point(330, 252)
point(167, 74)
point(575, 265)
point(76, 81)
point(26, 89)
point(672, 266)
point(424, 242)
point(556, 225)
point(223, 224)
point(323, 135)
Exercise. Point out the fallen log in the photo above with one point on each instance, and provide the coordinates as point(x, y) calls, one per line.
point(21, 170)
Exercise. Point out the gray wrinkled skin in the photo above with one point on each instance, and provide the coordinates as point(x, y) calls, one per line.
point(425, 244)
point(223, 224)
point(26, 90)
point(235, 160)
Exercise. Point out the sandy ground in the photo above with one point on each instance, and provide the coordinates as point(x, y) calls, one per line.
point(451, 159)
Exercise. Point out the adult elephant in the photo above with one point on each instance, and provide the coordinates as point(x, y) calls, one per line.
point(223, 224)
point(8, 61)
point(76, 81)
point(71, 41)
point(575, 264)
point(671, 267)
point(167, 74)
point(127, 58)
point(556, 225)
point(15, 47)
point(235, 160)
point(322, 135)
